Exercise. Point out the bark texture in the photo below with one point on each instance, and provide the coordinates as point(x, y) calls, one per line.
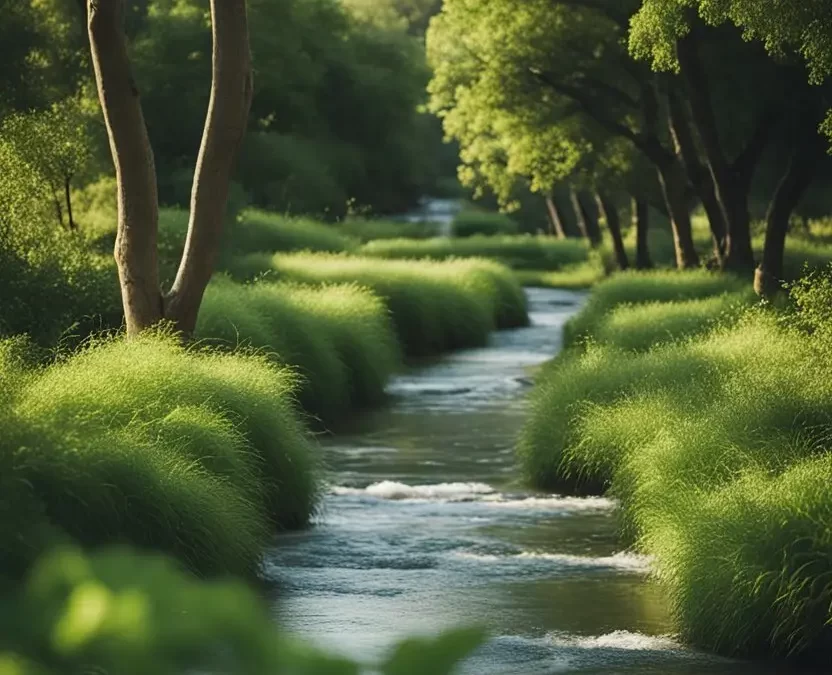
point(138, 211)
point(138, 206)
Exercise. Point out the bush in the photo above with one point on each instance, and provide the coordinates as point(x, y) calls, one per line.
point(183, 451)
point(339, 339)
point(524, 252)
point(489, 223)
point(370, 230)
point(717, 448)
point(121, 612)
point(642, 327)
point(435, 306)
point(261, 231)
point(644, 287)
point(575, 277)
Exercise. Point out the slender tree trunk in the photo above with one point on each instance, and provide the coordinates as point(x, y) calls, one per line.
point(609, 213)
point(641, 222)
point(225, 127)
point(554, 218)
point(59, 213)
point(674, 187)
point(698, 174)
point(587, 205)
point(793, 184)
point(73, 226)
point(731, 185)
point(580, 216)
point(138, 209)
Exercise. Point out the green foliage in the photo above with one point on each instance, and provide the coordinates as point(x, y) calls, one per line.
point(339, 339)
point(524, 252)
point(435, 306)
point(575, 277)
point(185, 451)
point(122, 612)
point(470, 223)
point(260, 231)
point(717, 448)
point(645, 287)
point(370, 230)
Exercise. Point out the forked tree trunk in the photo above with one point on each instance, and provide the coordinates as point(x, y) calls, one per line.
point(138, 210)
point(641, 221)
point(555, 218)
point(609, 213)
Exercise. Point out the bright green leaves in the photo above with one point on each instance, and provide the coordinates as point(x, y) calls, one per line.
point(132, 614)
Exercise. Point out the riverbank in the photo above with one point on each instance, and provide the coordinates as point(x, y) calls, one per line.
point(708, 418)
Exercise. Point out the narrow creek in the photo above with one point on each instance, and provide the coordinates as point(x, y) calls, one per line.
point(427, 527)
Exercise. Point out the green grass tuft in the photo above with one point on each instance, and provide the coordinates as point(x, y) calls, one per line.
point(522, 252)
point(338, 338)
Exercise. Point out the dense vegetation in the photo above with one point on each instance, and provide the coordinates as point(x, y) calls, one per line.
point(708, 418)
point(266, 284)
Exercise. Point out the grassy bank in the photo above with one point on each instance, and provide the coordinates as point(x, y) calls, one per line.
point(716, 446)
point(338, 338)
point(435, 306)
point(524, 252)
point(193, 453)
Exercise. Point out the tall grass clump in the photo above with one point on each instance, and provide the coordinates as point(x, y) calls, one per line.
point(338, 338)
point(522, 252)
point(718, 447)
point(261, 231)
point(435, 306)
point(372, 230)
point(636, 288)
point(474, 222)
point(641, 327)
point(190, 452)
point(576, 277)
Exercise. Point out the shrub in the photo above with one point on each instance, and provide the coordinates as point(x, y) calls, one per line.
point(642, 327)
point(339, 339)
point(525, 252)
point(575, 277)
point(435, 306)
point(469, 223)
point(371, 230)
point(121, 612)
point(146, 442)
point(644, 287)
point(261, 231)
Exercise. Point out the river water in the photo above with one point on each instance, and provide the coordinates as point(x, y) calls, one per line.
point(427, 527)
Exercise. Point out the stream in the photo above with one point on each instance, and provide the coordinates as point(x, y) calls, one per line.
point(426, 527)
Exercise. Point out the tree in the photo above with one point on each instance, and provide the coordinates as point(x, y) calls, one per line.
point(136, 244)
point(668, 32)
point(545, 89)
point(56, 146)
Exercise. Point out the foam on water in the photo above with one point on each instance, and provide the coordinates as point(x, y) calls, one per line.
point(623, 561)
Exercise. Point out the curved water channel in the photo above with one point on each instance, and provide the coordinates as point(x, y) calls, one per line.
point(427, 527)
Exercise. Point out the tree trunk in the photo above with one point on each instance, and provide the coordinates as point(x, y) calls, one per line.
point(138, 208)
point(731, 185)
point(554, 218)
point(73, 226)
point(641, 221)
point(580, 216)
point(795, 181)
point(225, 126)
point(609, 213)
point(59, 213)
point(674, 187)
point(698, 175)
point(587, 206)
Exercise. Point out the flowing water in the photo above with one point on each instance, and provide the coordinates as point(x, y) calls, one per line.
point(427, 527)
